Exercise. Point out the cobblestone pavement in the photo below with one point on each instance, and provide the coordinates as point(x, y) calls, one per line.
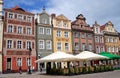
point(111, 74)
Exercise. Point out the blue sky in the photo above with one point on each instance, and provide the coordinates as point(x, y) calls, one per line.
point(101, 11)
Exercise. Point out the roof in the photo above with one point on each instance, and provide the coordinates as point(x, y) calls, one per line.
point(102, 27)
point(18, 10)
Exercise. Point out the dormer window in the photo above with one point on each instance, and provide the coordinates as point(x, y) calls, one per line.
point(44, 21)
point(64, 24)
point(58, 24)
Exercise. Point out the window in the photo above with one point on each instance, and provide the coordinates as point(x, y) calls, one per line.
point(41, 44)
point(101, 39)
point(28, 62)
point(76, 34)
point(66, 34)
point(90, 47)
point(10, 15)
point(96, 39)
point(112, 49)
point(76, 46)
point(64, 24)
point(102, 49)
point(44, 21)
point(111, 40)
point(20, 17)
point(66, 46)
point(48, 44)
point(115, 40)
point(41, 30)
point(89, 36)
point(29, 31)
point(19, 30)
point(19, 62)
point(19, 44)
point(9, 44)
point(97, 49)
point(58, 33)
point(10, 29)
point(83, 46)
point(29, 18)
point(109, 49)
point(48, 31)
point(59, 47)
point(83, 35)
point(96, 30)
point(28, 45)
point(117, 49)
point(58, 24)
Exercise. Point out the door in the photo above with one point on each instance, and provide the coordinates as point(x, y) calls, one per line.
point(8, 63)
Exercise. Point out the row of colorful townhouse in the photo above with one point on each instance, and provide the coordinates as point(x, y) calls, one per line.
point(23, 39)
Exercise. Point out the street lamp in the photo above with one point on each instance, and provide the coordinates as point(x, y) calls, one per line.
point(29, 70)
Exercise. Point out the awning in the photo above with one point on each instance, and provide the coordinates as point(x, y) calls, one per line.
point(109, 55)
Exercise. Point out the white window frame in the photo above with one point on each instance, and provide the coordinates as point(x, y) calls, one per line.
point(41, 46)
point(20, 30)
point(83, 46)
point(83, 35)
point(76, 34)
point(67, 47)
point(10, 15)
point(90, 47)
point(29, 19)
point(66, 34)
point(76, 46)
point(41, 31)
point(9, 44)
point(59, 46)
point(64, 24)
point(58, 33)
point(10, 29)
point(19, 44)
point(48, 32)
point(59, 24)
point(20, 18)
point(19, 62)
point(48, 44)
point(28, 45)
point(44, 21)
point(29, 31)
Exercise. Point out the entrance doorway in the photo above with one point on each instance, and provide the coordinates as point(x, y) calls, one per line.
point(8, 63)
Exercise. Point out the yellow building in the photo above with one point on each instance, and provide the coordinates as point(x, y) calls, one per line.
point(111, 38)
point(62, 39)
point(1, 34)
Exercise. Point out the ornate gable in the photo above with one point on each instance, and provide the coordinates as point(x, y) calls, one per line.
point(61, 17)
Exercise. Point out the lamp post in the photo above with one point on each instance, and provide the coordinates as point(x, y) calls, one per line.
point(29, 70)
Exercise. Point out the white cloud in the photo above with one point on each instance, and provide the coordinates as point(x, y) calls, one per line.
point(94, 10)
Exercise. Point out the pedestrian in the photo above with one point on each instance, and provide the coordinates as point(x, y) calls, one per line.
point(20, 70)
point(33, 68)
point(40, 68)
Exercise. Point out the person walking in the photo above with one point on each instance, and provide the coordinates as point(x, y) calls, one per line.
point(20, 70)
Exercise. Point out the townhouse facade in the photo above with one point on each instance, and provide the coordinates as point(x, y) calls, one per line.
point(1, 34)
point(19, 48)
point(111, 38)
point(98, 38)
point(44, 36)
point(82, 35)
point(61, 34)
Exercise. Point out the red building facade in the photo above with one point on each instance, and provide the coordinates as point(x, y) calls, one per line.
point(98, 38)
point(18, 38)
point(82, 35)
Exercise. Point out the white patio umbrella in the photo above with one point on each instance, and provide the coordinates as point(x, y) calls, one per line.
point(57, 57)
point(86, 55)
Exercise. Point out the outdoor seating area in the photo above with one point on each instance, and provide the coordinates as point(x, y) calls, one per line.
point(105, 62)
point(79, 70)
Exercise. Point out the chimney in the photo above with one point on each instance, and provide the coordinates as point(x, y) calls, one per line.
point(53, 15)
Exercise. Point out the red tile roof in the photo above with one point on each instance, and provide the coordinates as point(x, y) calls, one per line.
point(18, 9)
